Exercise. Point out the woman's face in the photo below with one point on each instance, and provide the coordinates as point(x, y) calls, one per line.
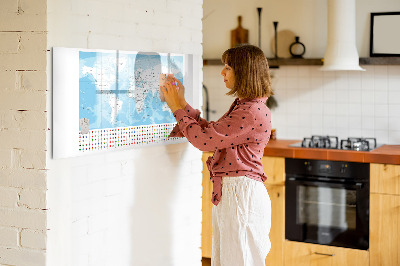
point(229, 76)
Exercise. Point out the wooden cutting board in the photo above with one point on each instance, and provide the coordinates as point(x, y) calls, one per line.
point(239, 35)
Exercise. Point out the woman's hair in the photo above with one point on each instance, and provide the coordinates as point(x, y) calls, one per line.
point(250, 66)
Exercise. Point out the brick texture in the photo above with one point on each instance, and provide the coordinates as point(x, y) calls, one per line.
point(23, 125)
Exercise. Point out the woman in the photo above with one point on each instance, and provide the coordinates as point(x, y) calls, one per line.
point(242, 208)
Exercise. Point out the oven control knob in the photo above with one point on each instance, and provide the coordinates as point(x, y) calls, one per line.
point(343, 168)
point(308, 166)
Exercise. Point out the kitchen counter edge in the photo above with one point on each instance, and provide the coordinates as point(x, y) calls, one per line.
point(385, 154)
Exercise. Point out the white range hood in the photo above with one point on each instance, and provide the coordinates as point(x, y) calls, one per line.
point(341, 51)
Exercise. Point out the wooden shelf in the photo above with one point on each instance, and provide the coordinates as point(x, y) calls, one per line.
point(380, 61)
point(273, 63)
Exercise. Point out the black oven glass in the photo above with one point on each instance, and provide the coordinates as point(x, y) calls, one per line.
point(328, 207)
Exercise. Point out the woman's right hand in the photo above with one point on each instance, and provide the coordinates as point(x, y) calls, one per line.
point(181, 91)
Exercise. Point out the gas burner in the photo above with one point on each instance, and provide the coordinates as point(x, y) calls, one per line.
point(358, 144)
point(332, 142)
point(327, 142)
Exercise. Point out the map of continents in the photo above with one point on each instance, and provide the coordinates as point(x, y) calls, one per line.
point(118, 89)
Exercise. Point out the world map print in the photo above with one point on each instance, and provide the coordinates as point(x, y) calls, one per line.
point(120, 89)
point(104, 100)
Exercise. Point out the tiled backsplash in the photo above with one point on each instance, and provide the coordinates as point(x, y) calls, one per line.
point(314, 102)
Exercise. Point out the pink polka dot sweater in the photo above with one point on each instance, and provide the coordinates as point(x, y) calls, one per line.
point(238, 139)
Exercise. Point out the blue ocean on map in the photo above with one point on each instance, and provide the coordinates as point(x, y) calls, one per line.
point(120, 89)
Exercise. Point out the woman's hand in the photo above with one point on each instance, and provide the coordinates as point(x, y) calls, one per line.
point(181, 92)
point(171, 94)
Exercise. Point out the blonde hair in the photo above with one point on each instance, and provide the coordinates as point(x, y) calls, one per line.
point(250, 66)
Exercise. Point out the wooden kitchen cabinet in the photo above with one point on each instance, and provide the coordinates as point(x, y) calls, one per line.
point(274, 168)
point(305, 254)
point(206, 225)
point(277, 233)
point(384, 236)
point(385, 178)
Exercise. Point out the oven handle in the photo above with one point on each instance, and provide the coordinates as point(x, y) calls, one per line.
point(357, 185)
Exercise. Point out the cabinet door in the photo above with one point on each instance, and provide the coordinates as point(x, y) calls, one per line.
point(385, 178)
point(384, 230)
point(277, 233)
point(206, 226)
point(274, 168)
point(304, 254)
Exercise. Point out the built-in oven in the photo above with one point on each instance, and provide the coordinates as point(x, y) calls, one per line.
point(327, 202)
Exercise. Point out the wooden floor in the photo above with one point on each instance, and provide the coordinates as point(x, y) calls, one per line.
point(206, 261)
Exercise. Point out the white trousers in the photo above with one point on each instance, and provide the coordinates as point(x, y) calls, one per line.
point(241, 223)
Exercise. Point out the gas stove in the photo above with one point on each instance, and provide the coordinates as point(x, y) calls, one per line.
point(332, 142)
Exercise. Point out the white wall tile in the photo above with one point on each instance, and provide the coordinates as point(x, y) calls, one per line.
point(381, 110)
point(394, 82)
point(394, 97)
point(380, 97)
point(381, 83)
point(367, 96)
point(364, 99)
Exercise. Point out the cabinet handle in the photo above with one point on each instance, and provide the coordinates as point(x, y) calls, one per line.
point(325, 254)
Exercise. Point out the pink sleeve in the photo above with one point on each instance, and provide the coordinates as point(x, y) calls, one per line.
point(229, 131)
point(195, 114)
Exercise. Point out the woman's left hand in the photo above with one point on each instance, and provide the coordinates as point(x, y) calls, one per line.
point(171, 95)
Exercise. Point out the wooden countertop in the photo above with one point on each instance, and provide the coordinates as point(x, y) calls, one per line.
point(389, 154)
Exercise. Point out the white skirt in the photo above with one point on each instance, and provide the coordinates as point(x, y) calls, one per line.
point(241, 223)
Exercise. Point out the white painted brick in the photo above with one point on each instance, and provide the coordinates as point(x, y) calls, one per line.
point(80, 227)
point(33, 7)
point(33, 120)
point(23, 22)
point(192, 23)
point(98, 222)
point(136, 16)
point(33, 199)
point(32, 61)
point(5, 158)
point(33, 239)
point(31, 55)
point(136, 43)
point(7, 80)
point(168, 19)
point(33, 140)
point(17, 256)
point(8, 197)
point(23, 178)
point(23, 218)
point(23, 100)
point(149, 6)
point(155, 32)
point(114, 186)
point(33, 159)
point(31, 80)
point(107, 41)
point(172, 47)
point(176, 7)
point(196, 10)
point(9, 42)
point(8, 237)
point(8, 6)
point(104, 11)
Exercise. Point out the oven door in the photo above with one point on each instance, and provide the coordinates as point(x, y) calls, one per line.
point(327, 213)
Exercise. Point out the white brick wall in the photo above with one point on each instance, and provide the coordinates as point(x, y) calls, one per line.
point(23, 128)
point(131, 207)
